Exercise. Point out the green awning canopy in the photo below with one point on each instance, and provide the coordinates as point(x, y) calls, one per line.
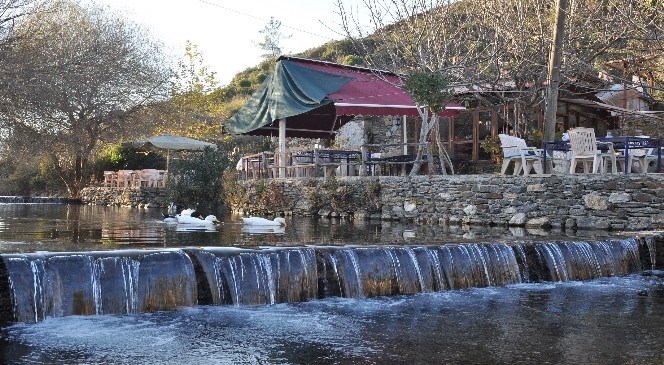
point(289, 91)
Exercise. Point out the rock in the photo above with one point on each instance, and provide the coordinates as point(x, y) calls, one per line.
point(470, 210)
point(615, 198)
point(570, 223)
point(534, 188)
point(409, 205)
point(518, 220)
point(655, 273)
point(593, 223)
point(446, 196)
point(454, 220)
point(595, 201)
point(510, 210)
point(539, 222)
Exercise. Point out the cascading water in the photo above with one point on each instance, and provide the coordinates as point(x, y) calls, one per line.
point(121, 282)
point(267, 276)
point(126, 282)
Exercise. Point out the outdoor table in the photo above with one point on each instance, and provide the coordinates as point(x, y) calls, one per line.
point(625, 143)
point(400, 164)
point(344, 159)
point(328, 159)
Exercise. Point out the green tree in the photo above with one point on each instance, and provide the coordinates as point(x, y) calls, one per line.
point(272, 38)
point(431, 91)
point(195, 181)
point(193, 108)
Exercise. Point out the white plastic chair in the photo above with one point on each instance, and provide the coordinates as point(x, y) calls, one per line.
point(525, 158)
point(643, 157)
point(584, 149)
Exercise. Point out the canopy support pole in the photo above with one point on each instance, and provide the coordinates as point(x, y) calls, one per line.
point(405, 135)
point(282, 148)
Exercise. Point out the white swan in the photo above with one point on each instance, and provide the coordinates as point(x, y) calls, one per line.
point(210, 220)
point(185, 218)
point(258, 221)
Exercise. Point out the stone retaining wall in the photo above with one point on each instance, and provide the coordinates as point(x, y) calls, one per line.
point(607, 202)
point(125, 197)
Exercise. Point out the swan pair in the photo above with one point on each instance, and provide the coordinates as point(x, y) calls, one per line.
point(258, 221)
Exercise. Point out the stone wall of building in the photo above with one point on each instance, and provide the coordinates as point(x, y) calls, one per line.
point(125, 197)
point(639, 126)
point(606, 202)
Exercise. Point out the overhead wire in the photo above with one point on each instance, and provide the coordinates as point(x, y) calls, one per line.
point(260, 18)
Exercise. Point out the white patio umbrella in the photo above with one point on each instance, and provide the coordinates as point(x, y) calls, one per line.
point(171, 142)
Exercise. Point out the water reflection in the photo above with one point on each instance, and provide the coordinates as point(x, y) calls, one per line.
point(51, 227)
point(263, 229)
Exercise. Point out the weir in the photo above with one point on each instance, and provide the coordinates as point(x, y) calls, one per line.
point(42, 285)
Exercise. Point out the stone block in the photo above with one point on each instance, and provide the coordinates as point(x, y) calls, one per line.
point(642, 197)
point(570, 223)
point(518, 219)
point(595, 201)
point(536, 188)
point(539, 222)
point(593, 223)
point(616, 198)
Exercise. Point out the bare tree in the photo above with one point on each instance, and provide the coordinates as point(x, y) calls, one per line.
point(492, 46)
point(11, 11)
point(82, 72)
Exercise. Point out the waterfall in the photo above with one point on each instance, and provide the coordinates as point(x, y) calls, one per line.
point(589, 260)
point(54, 285)
point(267, 276)
point(45, 285)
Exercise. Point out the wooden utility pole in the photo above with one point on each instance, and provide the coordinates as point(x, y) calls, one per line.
point(551, 105)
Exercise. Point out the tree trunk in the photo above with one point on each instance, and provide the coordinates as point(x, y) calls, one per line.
point(424, 134)
point(551, 106)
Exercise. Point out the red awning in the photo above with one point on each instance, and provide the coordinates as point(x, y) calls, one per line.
point(369, 92)
point(316, 98)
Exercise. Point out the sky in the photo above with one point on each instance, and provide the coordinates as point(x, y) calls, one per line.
point(226, 32)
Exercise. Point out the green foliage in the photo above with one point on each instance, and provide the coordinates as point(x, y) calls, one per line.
point(122, 157)
point(429, 88)
point(234, 193)
point(113, 154)
point(30, 178)
point(491, 145)
point(352, 60)
point(334, 196)
point(538, 136)
point(196, 181)
point(195, 107)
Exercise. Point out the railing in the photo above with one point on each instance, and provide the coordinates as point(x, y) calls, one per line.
point(627, 145)
point(319, 162)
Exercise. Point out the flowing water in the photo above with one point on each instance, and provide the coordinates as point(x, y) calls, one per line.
point(100, 285)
